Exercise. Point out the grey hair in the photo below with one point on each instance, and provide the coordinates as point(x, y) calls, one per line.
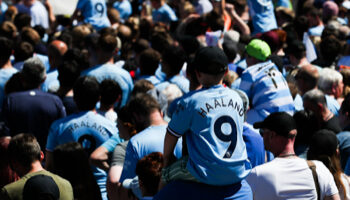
point(328, 77)
point(315, 96)
point(33, 72)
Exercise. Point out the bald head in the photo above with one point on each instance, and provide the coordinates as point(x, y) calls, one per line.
point(307, 78)
point(56, 51)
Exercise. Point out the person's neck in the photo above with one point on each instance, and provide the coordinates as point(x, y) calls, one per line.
point(212, 85)
point(106, 108)
point(36, 167)
point(286, 150)
point(105, 60)
point(156, 119)
point(7, 65)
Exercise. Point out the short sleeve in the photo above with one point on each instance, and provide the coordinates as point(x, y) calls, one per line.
point(181, 119)
point(119, 154)
point(131, 159)
point(112, 142)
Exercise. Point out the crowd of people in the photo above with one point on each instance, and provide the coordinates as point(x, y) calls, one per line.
point(176, 99)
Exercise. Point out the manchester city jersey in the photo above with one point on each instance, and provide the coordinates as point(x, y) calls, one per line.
point(267, 89)
point(116, 73)
point(95, 13)
point(263, 16)
point(89, 129)
point(212, 121)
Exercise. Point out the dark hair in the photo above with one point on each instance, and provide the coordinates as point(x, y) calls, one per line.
point(23, 51)
point(14, 84)
point(5, 50)
point(71, 162)
point(345, 106)
point(143, 105)
point(141, 86)
point(174, 57)
point(68, 73)
point(7, 175)
point(330, 48)
point(108, 43)
point(229, 50)
point(8, 30)
point(125, 116)
point(110, 92)
point(24, 149)
point(149, 171)
point(22, 20)
point(86, 92)
point(149, 61)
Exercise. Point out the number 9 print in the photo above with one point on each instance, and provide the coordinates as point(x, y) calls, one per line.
point(232, 137)
point(99, 8)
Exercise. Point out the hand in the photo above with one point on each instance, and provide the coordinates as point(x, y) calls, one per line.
point(229, 7)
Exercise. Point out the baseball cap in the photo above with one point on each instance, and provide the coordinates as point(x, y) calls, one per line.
point(258, 49)
point(280, 122)
point(324, 142)
point(41, 187)
point(133, 184)
point(330, 8)
point(210, 60)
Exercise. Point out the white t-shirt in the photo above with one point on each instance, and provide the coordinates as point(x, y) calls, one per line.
point(346, 182)
point(290, 178)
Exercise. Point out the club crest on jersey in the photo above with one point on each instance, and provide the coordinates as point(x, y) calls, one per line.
point(220, 103)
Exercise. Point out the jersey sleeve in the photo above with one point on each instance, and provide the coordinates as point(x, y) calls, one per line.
point(52, 141)
point(181, 119)
point(131, 159)
point(246, 84)
point(112, 142)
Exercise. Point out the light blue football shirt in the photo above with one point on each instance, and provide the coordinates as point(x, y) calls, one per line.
point(95, 13)
point(5, 75)
point(180, 81)
point(212, 121)
point(267, 90)
point(88, 128)
point(262, 14)
point(124, 8)
point(164, 14)
point(147, 141)
point(114, 72)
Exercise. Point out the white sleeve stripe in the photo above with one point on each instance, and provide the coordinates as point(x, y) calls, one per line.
point(173, 132)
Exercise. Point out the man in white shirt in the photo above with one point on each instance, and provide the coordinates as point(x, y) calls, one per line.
point(287, 176)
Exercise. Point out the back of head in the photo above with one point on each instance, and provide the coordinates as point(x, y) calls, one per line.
point(174, 58)
point(70, 161)
point(149, 171)
point(33, 73)
point(142, 106)
point(8, 30)
point(5, 50)
point(328, 79)
point(68, 73)
point(315, 97)
point(24, 149)
point(79, 33)
point(149, 61)
point(23, 51)
point(142, 86)
point(330, 48)
point(22, 20)
point(107, 43)
point(41, 187)
point(30, 35)
point(113, 15)
point(230, 50)
point(110, 92)
point(296, 48)
point(86, 93)
point(309, 75)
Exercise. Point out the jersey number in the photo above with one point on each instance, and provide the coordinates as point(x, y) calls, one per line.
point(232, 137)
point(88, 143)
point(99, 8)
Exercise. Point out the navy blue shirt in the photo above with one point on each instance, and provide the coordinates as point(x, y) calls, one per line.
point(32, 111)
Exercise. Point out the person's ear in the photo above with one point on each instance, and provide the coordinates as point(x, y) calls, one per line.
point(41, 156)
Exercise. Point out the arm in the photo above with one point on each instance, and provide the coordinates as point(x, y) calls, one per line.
point(244, 28)
point(169, 146)
point(99, 158)
point(333, 197)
